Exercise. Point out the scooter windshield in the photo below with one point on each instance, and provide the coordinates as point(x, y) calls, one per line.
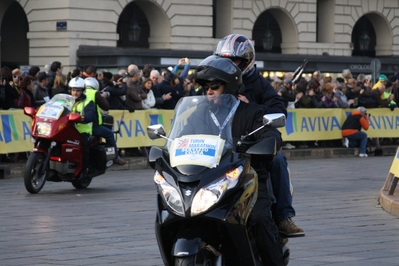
point(58, 105)
point(201, 130)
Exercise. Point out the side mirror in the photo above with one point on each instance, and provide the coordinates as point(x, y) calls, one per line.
point(75, 118)
point(156, 131)
point(274, 120)
point(29, 111)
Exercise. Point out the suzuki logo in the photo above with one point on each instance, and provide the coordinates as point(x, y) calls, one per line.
point(187, 193)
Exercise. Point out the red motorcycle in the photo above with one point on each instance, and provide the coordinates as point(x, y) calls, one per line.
point(57, 152)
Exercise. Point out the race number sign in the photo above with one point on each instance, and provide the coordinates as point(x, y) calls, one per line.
point(204, 150)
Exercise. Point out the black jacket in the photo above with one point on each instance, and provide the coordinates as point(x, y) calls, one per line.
point(11, 94)
point(259, 90)
point(114, 100)
point(164, 87)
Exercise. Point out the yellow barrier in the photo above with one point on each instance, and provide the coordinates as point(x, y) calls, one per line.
point(302, 125)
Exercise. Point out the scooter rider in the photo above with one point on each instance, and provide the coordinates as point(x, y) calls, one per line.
point(101, 103)
point(87, 109)
point(259, 91)
point(221, 76)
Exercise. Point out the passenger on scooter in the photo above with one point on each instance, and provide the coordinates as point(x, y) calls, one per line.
point(221, 76)
point(101, 103)
point(87, 109)
point(259, 91)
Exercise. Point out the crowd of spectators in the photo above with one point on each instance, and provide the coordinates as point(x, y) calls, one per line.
point(138, 89)
point(342, 92)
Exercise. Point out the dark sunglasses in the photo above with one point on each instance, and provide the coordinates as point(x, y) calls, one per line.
point(212, 86)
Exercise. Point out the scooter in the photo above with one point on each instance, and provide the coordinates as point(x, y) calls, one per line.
point(206, 190)
point(57, 152)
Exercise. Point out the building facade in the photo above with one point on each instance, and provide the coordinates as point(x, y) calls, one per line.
point(330, 34)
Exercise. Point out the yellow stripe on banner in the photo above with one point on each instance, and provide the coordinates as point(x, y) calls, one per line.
point(302, 125)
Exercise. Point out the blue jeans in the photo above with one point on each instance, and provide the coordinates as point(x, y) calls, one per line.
point(358, 139)
point(107, 134)
point(281, 187)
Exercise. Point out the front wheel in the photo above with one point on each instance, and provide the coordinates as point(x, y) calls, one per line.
point(81, 184)
point(202, 258)
point(34, 178)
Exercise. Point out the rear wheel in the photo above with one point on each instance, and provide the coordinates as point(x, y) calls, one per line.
point(34, 178)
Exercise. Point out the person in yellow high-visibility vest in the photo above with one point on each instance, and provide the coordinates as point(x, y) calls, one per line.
point(101, 103)
point(87, 109)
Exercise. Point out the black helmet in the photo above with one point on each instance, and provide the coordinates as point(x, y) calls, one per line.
point(216, 68)
point(237, 45)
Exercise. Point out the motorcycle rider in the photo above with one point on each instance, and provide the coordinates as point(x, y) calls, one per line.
point(259, 91)
point(87, 109)
point(218, 76)
point(100, 100)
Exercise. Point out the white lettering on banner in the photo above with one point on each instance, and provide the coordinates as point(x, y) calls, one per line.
point(312, 124)
point(366, 67)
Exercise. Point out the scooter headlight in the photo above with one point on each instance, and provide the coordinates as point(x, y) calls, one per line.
point(43, 128)
point(169, 194)
point(207, 196)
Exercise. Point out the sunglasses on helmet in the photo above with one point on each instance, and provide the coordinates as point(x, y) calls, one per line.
point(213, 87)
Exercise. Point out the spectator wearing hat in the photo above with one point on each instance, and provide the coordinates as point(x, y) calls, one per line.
point(40, 90)
point(116, 90)
point(351, 130)
point(382, 79)
point(168, 85)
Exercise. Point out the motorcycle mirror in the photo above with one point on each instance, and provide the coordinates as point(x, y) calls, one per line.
point(29, 111)
point(274, 120)
point(75, 118)
point(156, 131)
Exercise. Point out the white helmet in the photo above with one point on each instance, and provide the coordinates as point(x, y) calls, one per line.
point(92, 83)
point(77, 83)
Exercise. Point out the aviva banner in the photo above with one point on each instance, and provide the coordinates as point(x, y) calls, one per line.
point(15, 131)
point(302, 125)
point(325, 124)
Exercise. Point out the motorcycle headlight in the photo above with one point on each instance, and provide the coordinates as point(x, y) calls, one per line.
point(207, 196)
point(43, 128)
point(169, 194)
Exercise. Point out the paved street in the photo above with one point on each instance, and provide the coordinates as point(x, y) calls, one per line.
point(112, 222)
